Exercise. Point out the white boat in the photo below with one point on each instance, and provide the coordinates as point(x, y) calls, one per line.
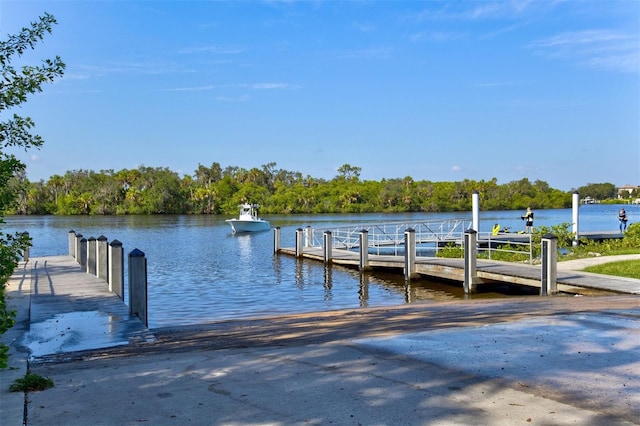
point(248, 220)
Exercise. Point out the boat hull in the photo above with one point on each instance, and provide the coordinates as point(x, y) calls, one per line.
point(248, 225)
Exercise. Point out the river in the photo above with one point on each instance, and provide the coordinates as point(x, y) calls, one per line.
point(198, 271)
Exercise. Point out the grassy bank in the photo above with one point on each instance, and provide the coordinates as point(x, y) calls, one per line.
point(626, 268)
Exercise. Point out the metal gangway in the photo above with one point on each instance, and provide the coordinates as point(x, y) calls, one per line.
point(434, 232)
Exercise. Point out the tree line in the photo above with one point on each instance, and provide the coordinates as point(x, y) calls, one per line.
point(218, 190)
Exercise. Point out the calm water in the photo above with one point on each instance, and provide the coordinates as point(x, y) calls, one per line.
point(198, 271)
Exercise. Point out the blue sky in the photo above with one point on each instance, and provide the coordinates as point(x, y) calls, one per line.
point(435, 90)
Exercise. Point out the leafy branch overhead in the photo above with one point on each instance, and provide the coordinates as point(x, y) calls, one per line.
point(15, 131)
point(17, 84)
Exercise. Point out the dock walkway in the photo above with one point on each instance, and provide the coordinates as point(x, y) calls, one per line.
point(487, 270)
point(71, 310)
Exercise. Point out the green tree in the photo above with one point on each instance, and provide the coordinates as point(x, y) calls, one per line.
point(349, 172)
point(599, 191)
point(16, 85)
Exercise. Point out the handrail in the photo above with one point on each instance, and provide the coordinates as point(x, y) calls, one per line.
point(431, 234)
point(502, 240)
point(392, 233)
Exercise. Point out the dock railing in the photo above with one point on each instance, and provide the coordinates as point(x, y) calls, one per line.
point(515, 244)
point(430, 237)
point(388, 238)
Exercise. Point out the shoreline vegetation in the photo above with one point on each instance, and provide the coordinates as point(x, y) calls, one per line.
point(218, 190)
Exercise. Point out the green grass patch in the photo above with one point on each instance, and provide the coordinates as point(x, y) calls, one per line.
point(31, 383)
point(625, 268)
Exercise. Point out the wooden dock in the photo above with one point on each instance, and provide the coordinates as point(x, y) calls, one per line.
point(69, 309)
point(488, 271)
point(601, 235)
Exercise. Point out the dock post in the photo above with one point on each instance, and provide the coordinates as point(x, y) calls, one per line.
point(116, 268)
point(83, 254)
point(308, 240)
point(409, 254)
point(72, 243)
point(138, 285)
point(470, 261)
point(102, 260)
point(77, 247)
point(26, 252)
point(91, 256)
point(299, 248)
point(364, 250)
point(548, 283)
point(277, 240)
point(475, 203)
point(327, 239)
point(575, 201)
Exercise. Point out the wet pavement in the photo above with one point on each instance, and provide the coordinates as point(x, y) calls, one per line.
point(71, 310)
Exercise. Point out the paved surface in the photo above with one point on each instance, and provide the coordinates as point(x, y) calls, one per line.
point(545, 361)
point(580, 264)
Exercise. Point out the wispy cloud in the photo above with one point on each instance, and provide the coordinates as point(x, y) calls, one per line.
point(272, 86)
point(364, 27)
point(602, 49)
point(218, 50)
point(241, 98)
point(577, 38)
point(475, 11)
point(437, 36)
point(368, 53)
point(497, 84)
point(84, 71)
point(250, 86)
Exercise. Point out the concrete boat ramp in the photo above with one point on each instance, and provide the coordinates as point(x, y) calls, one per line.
point(522, 360)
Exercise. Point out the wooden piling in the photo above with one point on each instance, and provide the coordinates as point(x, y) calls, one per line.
point(76, 248)
point(409, 254)
point(83, 254)
point(548, 284)
point(277, 239)
point(116, 268)
point(91, 256)
point(470, 261)
point(72, 243)
point(364, 250)
point(102, 259)
point(299, 238)
point(138, 285)
point(327, 239)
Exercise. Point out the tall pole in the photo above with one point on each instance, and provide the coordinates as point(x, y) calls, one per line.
point(475, 203)
point(576, 205)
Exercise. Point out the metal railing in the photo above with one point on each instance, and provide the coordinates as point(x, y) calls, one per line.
point(430, 237)
point(385, 236)
point(506, 243)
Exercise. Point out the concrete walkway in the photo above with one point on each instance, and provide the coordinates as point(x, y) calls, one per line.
point(580, 264)
point(555, 360)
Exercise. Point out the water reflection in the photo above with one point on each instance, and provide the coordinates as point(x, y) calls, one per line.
point(363, 290)
point(244, 244)
point(327, 283)
point(75, 331)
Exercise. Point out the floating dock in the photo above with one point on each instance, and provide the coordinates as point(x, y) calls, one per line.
point(488, 271)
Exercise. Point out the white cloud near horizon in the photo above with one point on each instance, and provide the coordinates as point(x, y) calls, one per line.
point(603, 49)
